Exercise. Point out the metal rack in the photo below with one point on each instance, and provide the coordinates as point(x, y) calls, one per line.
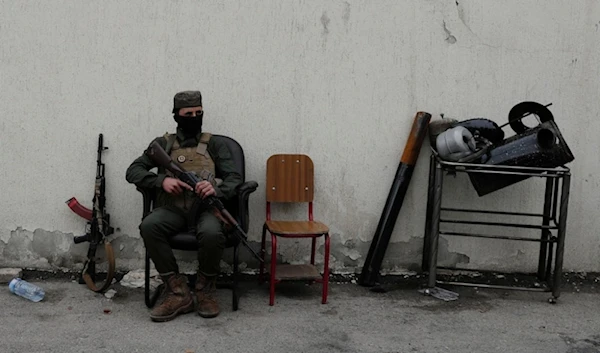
point(552, 226)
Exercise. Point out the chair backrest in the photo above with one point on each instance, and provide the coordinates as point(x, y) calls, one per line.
point(290, 178)
point(237, 153)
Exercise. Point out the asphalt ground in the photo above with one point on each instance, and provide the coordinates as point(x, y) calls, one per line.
point(71, 318)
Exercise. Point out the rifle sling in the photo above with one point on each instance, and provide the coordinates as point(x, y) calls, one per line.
point(110, 256)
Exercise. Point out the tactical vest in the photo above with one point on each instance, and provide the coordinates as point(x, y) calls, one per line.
point(193, 159)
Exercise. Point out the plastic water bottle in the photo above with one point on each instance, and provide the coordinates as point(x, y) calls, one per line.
point(26, 290)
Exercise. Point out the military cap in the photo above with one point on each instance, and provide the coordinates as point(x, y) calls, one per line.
point(187, 99)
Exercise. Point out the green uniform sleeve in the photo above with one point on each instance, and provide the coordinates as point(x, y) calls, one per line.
point(224, 169)
point(139, 173)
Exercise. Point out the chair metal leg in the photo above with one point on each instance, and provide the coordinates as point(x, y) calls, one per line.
point(325, 269)
point(272, 274)
point(147, 300)
point(263, 252)
point(235, 296)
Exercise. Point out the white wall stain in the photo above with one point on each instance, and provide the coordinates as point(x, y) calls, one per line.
point(269, 80)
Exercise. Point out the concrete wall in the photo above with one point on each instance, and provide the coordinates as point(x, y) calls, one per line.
point(338, 80)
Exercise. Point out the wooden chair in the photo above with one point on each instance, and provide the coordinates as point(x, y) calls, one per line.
point(290, 179)
point(237, 206)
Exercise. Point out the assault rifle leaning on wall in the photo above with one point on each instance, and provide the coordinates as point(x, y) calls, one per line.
point(98, 228)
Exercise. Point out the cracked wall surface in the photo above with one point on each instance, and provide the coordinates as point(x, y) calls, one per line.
point(338, 80)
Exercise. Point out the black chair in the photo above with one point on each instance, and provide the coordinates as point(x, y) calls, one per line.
point(237, 206)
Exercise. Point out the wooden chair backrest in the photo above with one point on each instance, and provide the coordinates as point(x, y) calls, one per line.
point(290, 178)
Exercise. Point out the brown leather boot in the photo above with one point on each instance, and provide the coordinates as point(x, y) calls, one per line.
point(177, 299)
point(206, 289)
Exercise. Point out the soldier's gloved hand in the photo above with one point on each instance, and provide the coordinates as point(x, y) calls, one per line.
point(174, 186)
point(205, 189)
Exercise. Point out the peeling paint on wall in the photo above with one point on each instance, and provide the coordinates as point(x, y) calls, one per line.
point(38, 249)
point(54, 250)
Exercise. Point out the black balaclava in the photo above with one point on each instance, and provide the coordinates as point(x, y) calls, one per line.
point(190, 126)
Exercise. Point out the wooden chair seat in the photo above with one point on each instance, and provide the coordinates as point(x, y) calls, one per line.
point(296, 227)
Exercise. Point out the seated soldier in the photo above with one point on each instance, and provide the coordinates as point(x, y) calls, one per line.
point(195, 151)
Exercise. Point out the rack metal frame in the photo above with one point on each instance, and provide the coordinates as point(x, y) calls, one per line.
point(552, 227)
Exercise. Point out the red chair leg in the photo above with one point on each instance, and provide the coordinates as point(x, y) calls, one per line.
point(263, 252)
point(326, 270)
point(272, 274)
